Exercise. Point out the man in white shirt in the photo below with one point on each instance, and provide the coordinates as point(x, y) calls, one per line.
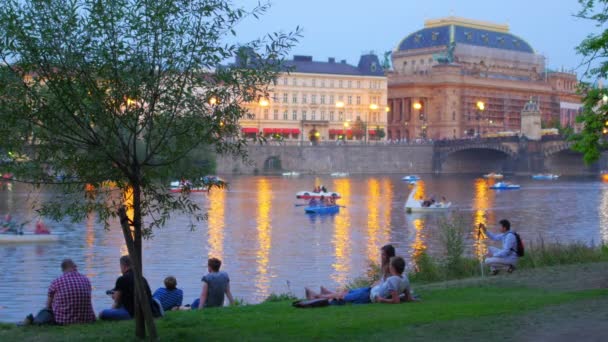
point(507, 255)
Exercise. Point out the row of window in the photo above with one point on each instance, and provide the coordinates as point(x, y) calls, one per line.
point(322, 99)
point(323, 83)
point(303, 115)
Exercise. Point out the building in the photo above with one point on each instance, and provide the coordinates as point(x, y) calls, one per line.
point(458, 78)
point(323, 101)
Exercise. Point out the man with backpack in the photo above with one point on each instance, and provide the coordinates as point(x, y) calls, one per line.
point(512, 248)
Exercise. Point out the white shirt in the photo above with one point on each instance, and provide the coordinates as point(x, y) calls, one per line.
point(392, 283)
point(509, 243)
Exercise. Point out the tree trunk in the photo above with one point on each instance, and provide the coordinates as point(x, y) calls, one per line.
point(143, 311)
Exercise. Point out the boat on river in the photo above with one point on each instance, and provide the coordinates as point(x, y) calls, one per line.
point(322, 209)
point(28, 238)
point(291, 174)
point(545, 176)
point(306, 195)
point(204, 185)
point(505, 186)
point(413, 205)
point(493, 175)
point(410, 178)
point(339, 174)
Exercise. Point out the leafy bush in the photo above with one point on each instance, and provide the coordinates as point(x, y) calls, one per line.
point(273, 297)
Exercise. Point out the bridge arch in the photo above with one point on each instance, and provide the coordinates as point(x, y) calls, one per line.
point(474, 158)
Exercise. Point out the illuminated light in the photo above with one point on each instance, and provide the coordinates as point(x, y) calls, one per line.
point(605, 130)
point(340, 104)
point(480, 105)
point(606, 123)
point(213, 101)
point(317, 134)
point(605, 98)
point(373, 106)
point(264, 102)
point(387, 109)
point(346, 124)
point(417, 105)
point(130, 102)
point(216, 223)
point(342, 240)
point(373, 222)
point(264, 230)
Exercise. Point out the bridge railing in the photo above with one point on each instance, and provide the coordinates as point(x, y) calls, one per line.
point(473, 141)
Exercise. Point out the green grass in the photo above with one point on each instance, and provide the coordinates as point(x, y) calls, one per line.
point(280, 321)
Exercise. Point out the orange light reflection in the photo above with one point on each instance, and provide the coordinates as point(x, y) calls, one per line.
point(387, 200)
point(264, 196)
point(216, 223)
point(341, 238)
point(373, 222)
point(418, 246)
point(484, 200)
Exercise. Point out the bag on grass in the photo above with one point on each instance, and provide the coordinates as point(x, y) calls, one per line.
point(311, 303)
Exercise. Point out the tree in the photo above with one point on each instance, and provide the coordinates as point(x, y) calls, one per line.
point(594, 117)
point(127, 91)
point(380, 134)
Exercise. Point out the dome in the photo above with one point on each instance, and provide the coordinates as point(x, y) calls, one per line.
point(442, 32)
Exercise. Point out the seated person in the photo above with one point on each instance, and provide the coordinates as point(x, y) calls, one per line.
point(9, 226)
point(388, 291)
point(216, 284)
point(41, 228)
point(313, 202)
point(323, 188)
point(170, 297)
point(124, 293)
point(323, 201)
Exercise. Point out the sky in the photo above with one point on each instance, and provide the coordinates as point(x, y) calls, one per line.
point(346, 29)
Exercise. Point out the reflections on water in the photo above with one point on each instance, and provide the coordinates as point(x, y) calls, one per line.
point(267, 243)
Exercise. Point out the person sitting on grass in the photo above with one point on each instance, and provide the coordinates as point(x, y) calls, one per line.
point(505, 257)
point(170, 297)
point(388, 291)
point(216, 284)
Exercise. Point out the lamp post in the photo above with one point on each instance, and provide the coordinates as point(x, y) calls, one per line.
point(418, 107)
point(263, 104)
point(372, 106)
point(481, 106)
point(346, 125)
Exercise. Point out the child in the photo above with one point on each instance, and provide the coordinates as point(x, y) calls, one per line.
point(215, 285)
point(170, 297)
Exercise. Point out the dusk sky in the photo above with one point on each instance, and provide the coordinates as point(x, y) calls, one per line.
point(345, 29)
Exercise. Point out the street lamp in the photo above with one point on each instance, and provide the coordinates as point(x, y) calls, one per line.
point(372, 106)
point(481, 106)
point(418, 106)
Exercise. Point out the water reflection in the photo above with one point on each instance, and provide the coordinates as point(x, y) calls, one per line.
point(341, 239)
point(603, 214)
point(418, 246)
point(373, 222)
point(387, 199)
point(483, 201)
point(264, 228)
point(216, 223)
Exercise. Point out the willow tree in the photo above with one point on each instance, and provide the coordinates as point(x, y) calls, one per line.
point(593, 138)
point(130, 92)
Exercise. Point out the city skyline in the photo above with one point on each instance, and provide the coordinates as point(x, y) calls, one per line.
point(379, 28)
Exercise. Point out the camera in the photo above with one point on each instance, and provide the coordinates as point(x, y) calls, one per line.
point(110, 292)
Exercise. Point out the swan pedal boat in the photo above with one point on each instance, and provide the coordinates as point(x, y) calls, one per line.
point(413, 205)
point(493, 175)
point(545, 176)
point(306, 195)
point(27, 238)
point(322, 209)
point(410, 178)
point(505, 186)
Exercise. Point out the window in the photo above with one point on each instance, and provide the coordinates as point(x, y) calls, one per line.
point(276, 114)
point(350, 84)
point(331, 116)
point(295, 115)
point(340, 116)
point(358, 84)
point(303, 115)
point(331, 99)
point(285, 80)
point(313, 115)
point(313, 99)
point(322, 83)
point(322, 99)
point(322, 115)
point(358, 100)
point(304, 99)
point(285, 98)
point(374, 117)
point(294, 82)
point(285, 115)
point(340, 98)
point(453, 116)
point(314, 82)
point(340, 84)
point(350, 99)
point(294, 98)
point(331, 83)
point(266, 114)
point(434, 35)
point(275, 97)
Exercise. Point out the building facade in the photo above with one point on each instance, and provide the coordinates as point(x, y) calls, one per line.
point(460, 78)
point(323, 101)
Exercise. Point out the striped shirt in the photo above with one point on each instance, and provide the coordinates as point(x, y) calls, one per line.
point(71, 294)
point(169, 298)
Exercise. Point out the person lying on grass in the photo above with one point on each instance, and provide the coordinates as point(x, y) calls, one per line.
point(387, 291)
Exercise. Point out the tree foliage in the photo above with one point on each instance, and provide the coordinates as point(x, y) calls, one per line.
point(131, 92)
point(594, 49)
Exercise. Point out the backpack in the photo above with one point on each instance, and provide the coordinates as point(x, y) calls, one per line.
point(520, 245)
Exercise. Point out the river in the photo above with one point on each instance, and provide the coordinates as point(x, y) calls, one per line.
point(268, 245)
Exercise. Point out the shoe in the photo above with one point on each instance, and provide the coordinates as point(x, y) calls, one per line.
point(29, 320)
point(510, 269)
point(493, 272)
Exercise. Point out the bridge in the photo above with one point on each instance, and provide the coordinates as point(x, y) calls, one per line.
point(510, 155)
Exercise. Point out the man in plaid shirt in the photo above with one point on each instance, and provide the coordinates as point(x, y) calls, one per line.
point(69, 296)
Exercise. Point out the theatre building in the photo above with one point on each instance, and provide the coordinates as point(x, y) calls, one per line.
point(460, 78)
point(321, 101)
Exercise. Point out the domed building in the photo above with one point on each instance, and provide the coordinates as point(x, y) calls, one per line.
point(458, 78)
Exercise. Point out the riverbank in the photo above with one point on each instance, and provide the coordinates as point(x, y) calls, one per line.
point(552, 303)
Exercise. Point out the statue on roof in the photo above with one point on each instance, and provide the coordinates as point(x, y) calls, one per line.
point(446, 57)
point(386, 64)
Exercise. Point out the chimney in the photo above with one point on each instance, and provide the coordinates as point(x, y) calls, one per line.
point(331, 60)
point(343, 61)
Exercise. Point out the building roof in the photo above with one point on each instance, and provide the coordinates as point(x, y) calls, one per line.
point(369, 65)
point(442, 32)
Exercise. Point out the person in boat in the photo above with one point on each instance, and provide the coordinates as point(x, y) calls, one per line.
point(443, 201)
point(332, 200)
point(323, 201)
point(313, 202)
point(388, 291)
point(505, 256)
point(8, 226)
point(41, 228)
point(323, 188)
point(68, 300)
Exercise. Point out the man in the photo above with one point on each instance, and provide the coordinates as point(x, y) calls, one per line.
point(216, 284)
point(124, 294)
point(505, 257)
point(69, 299)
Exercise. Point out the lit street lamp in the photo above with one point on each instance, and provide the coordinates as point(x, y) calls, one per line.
point(481, 106)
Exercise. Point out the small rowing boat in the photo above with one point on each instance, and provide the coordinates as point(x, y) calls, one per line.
point(322, 209)
point(493, 175)
point(545, 176)
point(410, 178)
point(306, 195)
point(504, 186)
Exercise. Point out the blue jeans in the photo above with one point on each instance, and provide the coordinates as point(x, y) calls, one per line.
point(358, 296)
point(115, 314)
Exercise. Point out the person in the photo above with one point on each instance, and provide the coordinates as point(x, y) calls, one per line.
point(323, 188)
point(10, 227)
point(507, 256)
point(386, 253)
point(170, 297)
point(41, 228)
point(68, 300)
point(322, 201)
point(123, 293)
point(313, 202)
point(388, 291)
point(216, 284)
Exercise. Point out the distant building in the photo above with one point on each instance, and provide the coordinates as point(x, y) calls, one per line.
point(330, 100)
point(457, 77)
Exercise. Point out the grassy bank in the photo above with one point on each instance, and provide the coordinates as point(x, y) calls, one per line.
point(455, 310)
